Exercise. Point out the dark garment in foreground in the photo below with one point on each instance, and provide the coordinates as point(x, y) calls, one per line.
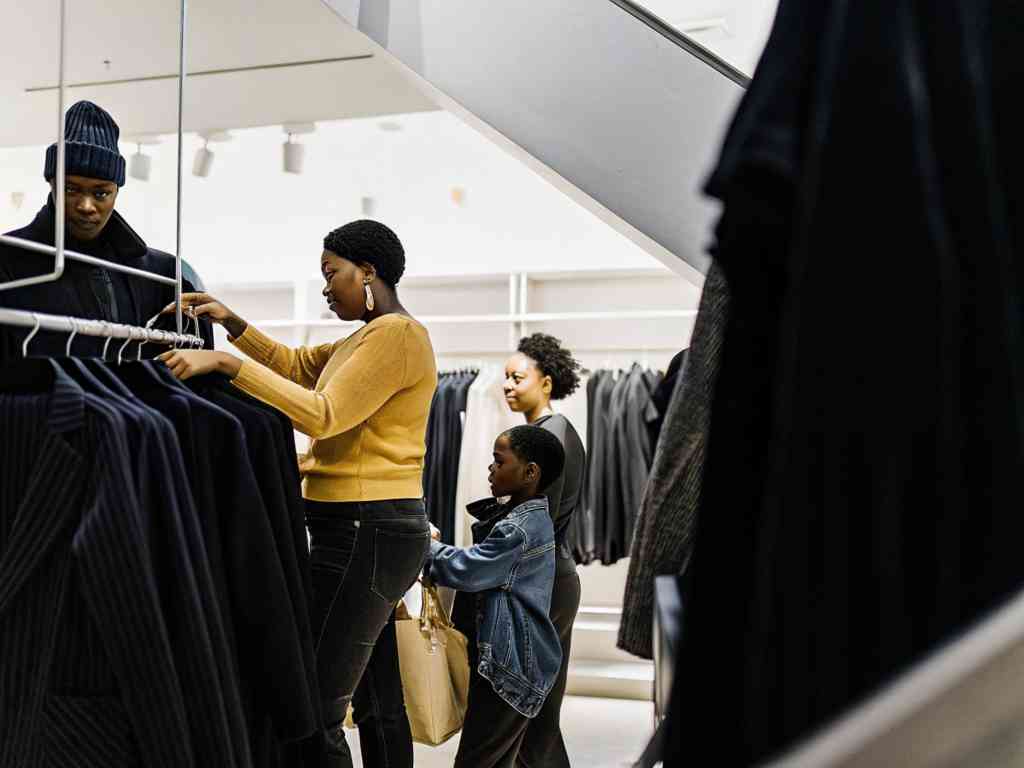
point(543, 744)
point(365, 556)
point(247, 540)
point(87, 291)
point(865, 511)
point(82, 578)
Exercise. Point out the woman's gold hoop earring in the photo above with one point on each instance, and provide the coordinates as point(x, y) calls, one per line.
point(369, 297)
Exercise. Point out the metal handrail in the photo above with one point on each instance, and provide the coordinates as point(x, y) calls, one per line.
point(692, 47)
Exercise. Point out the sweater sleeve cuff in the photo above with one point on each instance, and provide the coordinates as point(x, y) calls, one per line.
point(255, 344)
point(251, 378)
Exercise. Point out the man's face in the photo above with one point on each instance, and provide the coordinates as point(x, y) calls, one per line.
point(88, 204)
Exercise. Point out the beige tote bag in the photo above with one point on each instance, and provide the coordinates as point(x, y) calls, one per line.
point(434, 662)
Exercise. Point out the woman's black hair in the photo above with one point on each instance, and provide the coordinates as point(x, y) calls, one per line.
point(536, 444)
point(370, 242)
point(555, 361)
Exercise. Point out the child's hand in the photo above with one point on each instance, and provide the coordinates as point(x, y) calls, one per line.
point(435, 533)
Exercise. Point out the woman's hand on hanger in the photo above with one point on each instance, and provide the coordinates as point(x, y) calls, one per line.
point(186, 363)
point(204, 305)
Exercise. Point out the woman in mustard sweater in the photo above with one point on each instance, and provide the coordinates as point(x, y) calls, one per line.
point(365, 401)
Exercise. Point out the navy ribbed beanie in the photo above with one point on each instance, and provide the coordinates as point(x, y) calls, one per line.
point(91, 135)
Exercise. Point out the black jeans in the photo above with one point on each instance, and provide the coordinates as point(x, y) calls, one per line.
point(364, 557)
point(543, 745)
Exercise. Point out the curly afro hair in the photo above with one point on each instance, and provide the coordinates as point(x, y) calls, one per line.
point(555, 361)
point(370, 242)
point(536, 444)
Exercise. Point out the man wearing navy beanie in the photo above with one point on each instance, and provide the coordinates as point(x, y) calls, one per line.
point(94, 175)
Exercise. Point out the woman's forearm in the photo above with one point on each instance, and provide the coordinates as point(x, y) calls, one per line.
point(235, 326)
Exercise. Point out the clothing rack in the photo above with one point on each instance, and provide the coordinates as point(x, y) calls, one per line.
point(61, 254)
point(101, 328)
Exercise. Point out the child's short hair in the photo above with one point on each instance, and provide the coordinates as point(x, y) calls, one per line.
point(536, 444)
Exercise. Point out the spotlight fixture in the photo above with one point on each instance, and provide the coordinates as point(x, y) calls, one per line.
point(294, 154)
point(204, 161)
point(204, 155)
point(140, 165)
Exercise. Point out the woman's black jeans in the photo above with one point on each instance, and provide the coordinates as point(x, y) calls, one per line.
point(364, 557)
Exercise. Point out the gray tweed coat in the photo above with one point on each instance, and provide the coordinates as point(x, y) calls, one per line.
point(667, 522)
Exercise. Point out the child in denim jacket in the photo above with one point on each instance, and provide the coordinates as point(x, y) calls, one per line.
point(511, 570)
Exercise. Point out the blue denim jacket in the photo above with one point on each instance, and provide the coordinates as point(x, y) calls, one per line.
point(512, 565)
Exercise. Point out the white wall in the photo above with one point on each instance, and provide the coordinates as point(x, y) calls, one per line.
point(249, 221)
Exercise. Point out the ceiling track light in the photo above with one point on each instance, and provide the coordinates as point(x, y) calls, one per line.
point(140, 165)
point(294, 154)
point(203, 162)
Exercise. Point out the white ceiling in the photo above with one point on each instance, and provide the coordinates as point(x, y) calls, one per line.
point(139, 38)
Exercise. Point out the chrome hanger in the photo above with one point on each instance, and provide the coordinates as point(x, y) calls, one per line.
point(120, 352)
point(71, 338)
point(35, 330)
point(109, 334)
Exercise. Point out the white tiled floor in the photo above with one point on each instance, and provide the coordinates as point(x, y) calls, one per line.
point(599, 733)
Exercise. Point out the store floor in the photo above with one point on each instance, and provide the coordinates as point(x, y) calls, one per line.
point(599, 733)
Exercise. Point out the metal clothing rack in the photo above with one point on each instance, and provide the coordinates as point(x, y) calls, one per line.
point(61, 254)
point(102, 328)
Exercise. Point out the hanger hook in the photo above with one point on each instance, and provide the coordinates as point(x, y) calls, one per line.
point(143, 339)
point(195, 341)
point(120, 352)
point(108, 332)
point(31, 335)
point(71, 338)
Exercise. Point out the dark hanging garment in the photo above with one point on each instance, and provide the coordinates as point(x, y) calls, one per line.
point(869, 512)
point(444, 447)
point(582, 536)
point(662, 396)
point(294, 678)
point(94, 593)
point(627, 460)
point(160, 476)
point(241, 527)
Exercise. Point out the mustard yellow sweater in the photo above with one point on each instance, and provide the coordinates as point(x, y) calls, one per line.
point(364, 400)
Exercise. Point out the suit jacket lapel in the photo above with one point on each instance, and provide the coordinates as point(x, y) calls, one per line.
point(49, 506)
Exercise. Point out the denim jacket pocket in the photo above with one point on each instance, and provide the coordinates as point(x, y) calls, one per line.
point(398, 559)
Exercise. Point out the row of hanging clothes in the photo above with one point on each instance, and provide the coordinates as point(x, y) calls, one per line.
point(625, 409)
point(444, 447)
point(154, 571)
